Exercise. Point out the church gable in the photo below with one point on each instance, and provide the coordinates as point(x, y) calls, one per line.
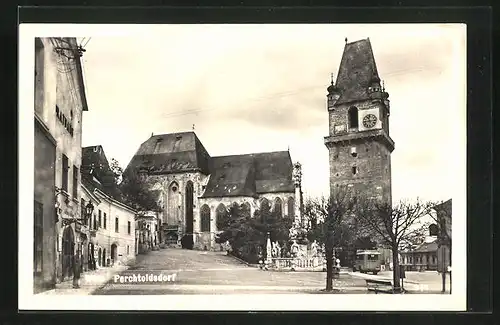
point(171, 153)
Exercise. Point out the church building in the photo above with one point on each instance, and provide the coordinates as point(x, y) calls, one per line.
point(195, 188)
point(359, 143)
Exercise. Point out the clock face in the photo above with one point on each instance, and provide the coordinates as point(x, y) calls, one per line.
point(369, 120)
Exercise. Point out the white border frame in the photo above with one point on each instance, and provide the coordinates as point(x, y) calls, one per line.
point(321, 302)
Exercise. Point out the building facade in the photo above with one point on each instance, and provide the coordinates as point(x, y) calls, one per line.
point(444, 217)
point(148, 236)
point(58, 111)
point(195, 188)
point(359, 143)
point(422, 257)
point(112, 225)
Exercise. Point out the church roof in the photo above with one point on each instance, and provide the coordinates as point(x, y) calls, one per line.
point(427, 247)
point(234, 175)
point(171, 153)
point(356, 71)
point(250, 174)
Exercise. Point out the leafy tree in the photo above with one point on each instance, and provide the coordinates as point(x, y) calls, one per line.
point(246, 234)
point(117, 170)
point(136, 191)
point(330, 224)
point(394, 225)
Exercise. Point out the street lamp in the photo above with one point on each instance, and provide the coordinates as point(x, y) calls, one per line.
point(89, 209)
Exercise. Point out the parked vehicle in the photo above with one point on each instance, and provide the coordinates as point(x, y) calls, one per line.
point(367, 261)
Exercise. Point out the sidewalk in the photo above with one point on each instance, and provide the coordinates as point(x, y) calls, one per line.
point(412, 286)
point(89, 282)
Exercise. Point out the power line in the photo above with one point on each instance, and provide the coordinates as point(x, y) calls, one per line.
point(288, 93)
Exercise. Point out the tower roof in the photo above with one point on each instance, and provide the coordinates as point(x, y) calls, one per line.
point(356, 72)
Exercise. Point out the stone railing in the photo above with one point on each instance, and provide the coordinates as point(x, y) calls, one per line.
point(295, 264)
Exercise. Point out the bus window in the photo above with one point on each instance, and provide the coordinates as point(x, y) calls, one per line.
point(373, 257)
point(360, 257)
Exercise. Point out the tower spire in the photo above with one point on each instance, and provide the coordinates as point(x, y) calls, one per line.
point(331, 78)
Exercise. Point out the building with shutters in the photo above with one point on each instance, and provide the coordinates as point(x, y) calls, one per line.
point(59, 104)
point(112, 225)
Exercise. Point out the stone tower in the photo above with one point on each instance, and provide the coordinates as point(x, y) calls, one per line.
point(359, 143)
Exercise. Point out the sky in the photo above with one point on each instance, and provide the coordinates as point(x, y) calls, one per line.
point(258, 88)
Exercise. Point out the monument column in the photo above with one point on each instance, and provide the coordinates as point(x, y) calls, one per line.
point(297, 179)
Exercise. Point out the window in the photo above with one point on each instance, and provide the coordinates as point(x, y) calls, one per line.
point(105, 221)
point(128, 247)
point(38, 236)
point(75, 182)
point(65, 167)
point(354, 152)
point(291, 207)
point(99, 219)
point(205, 218)
point(128, 228)
point(116, 224)
point(278, 207)
point(354, 170)
point(353, 117)
point(373, 257)
point(95, 222)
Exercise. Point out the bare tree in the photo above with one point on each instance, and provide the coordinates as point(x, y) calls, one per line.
point(329, 224)
point(394, 225)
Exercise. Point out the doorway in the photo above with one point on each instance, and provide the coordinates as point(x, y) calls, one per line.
point(99, 257)
point(68, 248)
point(104, 257)
point(113, 253)
point(91, 260)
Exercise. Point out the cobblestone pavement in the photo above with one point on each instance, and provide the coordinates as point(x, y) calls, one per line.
point(213, 273)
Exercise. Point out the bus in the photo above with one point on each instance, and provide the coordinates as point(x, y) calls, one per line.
point(367, 261)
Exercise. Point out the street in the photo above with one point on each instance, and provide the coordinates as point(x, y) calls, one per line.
point(200, 272)
point(214, 273)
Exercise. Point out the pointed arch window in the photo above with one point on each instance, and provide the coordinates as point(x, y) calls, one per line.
point(278, 204)
point(205, 218)
point(245, 207)
point(353, 117)
point(291, 207)
point(265, 208)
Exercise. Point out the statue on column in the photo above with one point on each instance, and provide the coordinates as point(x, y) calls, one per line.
point(268, 247)
point(295, 249)
point(314, 249)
